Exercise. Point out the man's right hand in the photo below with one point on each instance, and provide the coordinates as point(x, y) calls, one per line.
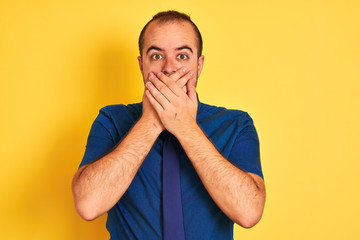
point(181, 77)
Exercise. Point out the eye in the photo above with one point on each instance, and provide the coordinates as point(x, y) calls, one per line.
point(156, 57)
point(182, 56)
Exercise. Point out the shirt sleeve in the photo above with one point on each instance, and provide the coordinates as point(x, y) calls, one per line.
point(100, 140)
point(245, 153)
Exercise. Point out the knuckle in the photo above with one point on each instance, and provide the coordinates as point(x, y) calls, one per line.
point(162, 88)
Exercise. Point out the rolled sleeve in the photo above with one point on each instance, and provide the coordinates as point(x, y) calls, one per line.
point(100, 141)
point(245, 153)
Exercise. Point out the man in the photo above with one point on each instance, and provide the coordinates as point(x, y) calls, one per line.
point(220, 172)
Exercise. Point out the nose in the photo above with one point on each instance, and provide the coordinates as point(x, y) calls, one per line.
point(170, 66)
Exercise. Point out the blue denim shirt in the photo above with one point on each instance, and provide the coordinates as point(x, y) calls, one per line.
point(138, 214)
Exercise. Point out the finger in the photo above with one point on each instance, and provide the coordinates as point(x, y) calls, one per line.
point(157, 106)
point(184, 79)
point(161, 86)
point(179, 73)
point(157, 95)
point(171, 85)
point(184, 89)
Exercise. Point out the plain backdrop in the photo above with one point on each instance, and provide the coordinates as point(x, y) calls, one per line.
point(294, 66)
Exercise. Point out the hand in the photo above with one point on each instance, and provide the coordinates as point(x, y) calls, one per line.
point(150, 115)
point(181, 77)
point(176, 109)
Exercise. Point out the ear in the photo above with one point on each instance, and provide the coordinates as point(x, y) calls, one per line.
point(140, 63)
point(200, 64)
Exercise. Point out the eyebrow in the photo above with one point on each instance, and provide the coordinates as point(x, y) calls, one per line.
point(161, 50)
point(185, 47)
point(153, 48)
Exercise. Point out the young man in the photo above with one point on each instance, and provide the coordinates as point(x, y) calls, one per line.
point(221, 180)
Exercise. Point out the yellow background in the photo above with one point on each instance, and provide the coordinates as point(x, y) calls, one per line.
point(293, 65)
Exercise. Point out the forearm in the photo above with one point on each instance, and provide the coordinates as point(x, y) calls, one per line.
point(240, 195)
point(99, 185)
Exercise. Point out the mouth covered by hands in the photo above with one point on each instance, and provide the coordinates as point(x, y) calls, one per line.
point(173, 98)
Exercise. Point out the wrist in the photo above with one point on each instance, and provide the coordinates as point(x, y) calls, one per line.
point(151, 124)
point(187, 131)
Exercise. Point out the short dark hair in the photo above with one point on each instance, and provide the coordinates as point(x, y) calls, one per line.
point(170, 16)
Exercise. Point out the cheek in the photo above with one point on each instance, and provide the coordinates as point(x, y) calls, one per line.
point(153, 67)
point(193, 67)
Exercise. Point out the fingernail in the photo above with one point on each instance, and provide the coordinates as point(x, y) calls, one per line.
point(191, 74)
point(151, 77)
point(159, 74)
point(184, 69)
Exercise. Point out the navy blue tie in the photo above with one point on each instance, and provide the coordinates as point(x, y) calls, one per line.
point(173, 223)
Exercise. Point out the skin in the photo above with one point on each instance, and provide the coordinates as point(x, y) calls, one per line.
point(170, 69)
point(178, 51)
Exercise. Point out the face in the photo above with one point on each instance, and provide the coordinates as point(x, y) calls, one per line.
point(168, 47)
